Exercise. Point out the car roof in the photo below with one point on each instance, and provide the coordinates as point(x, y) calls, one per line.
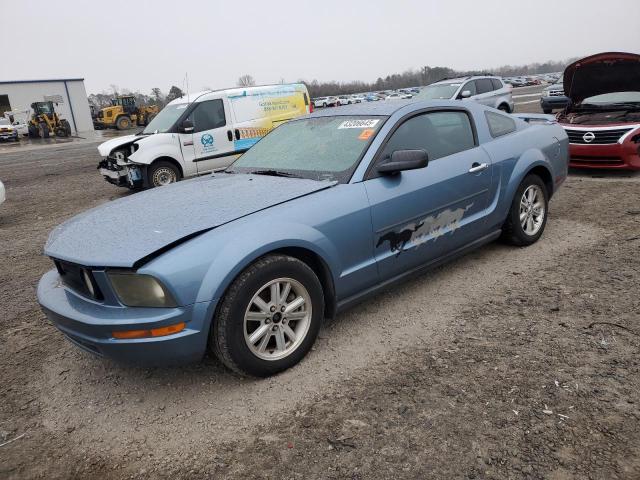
point(383, 108)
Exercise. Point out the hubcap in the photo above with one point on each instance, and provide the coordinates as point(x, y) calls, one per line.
point(532, 210)
point(277, 319)
point(164, 176)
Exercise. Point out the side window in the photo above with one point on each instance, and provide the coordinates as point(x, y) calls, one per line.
point(499, 124)
point(438, 133)
point(497, 84)
point(484, 85)
point(208, 115)
point(471, 86)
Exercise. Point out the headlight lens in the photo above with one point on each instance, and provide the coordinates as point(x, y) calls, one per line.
point(140, 290)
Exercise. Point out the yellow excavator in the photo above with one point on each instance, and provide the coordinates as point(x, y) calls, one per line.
point(124, 113)
point(46, 122)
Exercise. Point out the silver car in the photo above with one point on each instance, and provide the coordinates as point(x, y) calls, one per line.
point(490, 91)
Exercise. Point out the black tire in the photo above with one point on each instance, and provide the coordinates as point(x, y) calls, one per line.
point(159, 170)
point(504, 107)
point(123, 122)
point(324, 105)
point(227, 335)
point(547, 111)
point(43, 130)
point(512, 230)
point(33, 131)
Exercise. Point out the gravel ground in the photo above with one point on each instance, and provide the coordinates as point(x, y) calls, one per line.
point(508, 363)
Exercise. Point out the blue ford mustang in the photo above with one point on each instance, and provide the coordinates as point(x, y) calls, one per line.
point(321, 213)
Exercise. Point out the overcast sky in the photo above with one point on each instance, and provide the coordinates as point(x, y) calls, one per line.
point(144, 44)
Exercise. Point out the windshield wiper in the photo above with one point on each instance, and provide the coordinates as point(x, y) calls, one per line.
point(275, 173)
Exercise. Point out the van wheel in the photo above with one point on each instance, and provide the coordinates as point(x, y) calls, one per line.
point(528, 213)
point(269, 318)
point(123, 122)
point(162, 173)
point(504, 107)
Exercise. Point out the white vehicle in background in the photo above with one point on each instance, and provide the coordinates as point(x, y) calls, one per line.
point(200, 133)
point(358, 98)
point(345, 100)
point(3, 195)
point(394, 96)
point(8, 131)
point(20, 120)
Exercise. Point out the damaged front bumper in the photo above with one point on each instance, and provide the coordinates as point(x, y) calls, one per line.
point(121, 173)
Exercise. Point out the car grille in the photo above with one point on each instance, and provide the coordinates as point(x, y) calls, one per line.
point(599, 137)
point(72, 276)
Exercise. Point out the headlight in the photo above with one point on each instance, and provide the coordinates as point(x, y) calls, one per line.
point(140, 290)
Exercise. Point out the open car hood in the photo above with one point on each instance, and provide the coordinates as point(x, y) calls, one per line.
point(602, 73)
point(128, 231)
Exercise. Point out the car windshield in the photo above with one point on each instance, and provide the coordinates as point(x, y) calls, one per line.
point(615, 97)
point(438, 91)
point(319, 148)
point(165, 119)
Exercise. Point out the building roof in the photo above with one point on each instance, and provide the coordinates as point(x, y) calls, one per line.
point(52, 80)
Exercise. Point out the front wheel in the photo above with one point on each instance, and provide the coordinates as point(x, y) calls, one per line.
point(123, 123)
point(162, 173)
point(269, 318)
point(528, 213)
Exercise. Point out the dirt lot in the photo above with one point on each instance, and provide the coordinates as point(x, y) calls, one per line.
point(508, 363)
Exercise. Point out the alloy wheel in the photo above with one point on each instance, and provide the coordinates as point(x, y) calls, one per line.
point(532, 210)
point(277, 319)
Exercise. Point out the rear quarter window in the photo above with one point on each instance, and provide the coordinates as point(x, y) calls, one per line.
point(497, 84)
point(499, 124)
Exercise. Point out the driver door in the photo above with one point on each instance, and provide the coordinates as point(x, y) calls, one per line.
point(210, 144)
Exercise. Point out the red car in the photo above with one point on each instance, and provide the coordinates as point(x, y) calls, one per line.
point(603, 116)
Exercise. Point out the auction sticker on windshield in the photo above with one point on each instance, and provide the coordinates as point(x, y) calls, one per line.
point(364, 123)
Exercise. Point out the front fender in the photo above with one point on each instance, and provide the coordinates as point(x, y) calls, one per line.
point(203, 268)
point(155, 146)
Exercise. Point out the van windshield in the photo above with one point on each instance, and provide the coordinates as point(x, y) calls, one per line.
point(165, 119)
point(320, 148)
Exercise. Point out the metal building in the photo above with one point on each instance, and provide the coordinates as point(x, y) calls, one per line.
point(68, 95)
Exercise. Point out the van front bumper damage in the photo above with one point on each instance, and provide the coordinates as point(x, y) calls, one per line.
point(122, 174)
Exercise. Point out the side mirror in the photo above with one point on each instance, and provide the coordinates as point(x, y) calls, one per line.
point(465, 94)
point(404, 160)
point(187, 126)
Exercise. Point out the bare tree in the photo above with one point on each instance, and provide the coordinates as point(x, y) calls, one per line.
point(246, 81)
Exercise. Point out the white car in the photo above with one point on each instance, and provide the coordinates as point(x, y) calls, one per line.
point(200, 133)
point(20, 120)
point(394, 96)
point(8, 131)
point(345, 100)
point(3, 196)
point(358, 98)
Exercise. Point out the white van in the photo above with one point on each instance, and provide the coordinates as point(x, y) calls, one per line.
point(199, 134)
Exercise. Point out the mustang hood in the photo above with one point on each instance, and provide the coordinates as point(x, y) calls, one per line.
point(125, 231)
point(602, 73)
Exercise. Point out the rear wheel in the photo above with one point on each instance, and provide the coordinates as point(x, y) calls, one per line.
point(528, 213)
point(43, 130)
point(269, 318)
point(504, 107)
point(162, 173)
point(123, 122)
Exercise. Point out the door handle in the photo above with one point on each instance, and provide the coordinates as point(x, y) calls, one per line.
point(478, 167)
